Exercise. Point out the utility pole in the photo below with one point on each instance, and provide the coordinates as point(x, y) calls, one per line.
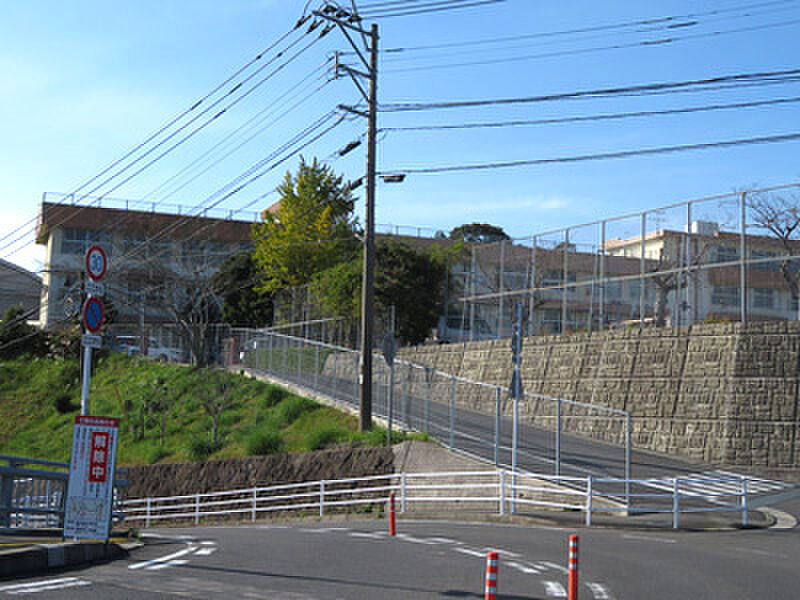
point(348, 22)
point(368, 277)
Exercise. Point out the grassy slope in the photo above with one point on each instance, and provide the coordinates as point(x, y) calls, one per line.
point(123, 386)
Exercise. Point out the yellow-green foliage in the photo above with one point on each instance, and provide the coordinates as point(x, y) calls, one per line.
point(139, 392)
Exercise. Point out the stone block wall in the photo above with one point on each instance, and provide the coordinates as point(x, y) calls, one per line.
point(722, 393)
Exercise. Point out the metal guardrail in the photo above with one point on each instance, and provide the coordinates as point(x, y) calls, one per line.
point(426, 399)
point(491, 491)
point(36, 497)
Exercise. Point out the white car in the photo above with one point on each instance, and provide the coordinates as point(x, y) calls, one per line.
point(130, 344)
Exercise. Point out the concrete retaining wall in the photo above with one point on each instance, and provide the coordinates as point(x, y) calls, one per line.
point(722, 393)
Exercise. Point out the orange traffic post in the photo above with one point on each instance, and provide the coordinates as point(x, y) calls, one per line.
point(573, 567)
point(392, 517)
point(491, 576)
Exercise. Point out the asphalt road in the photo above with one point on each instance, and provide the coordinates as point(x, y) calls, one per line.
point(474, 433)
point(329, 561)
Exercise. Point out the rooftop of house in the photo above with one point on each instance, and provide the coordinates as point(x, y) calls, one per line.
point(73, 216)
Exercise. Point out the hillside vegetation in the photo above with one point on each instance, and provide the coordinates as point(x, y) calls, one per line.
point(168, 413)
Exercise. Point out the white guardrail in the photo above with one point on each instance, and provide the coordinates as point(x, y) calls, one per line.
point(489, 491)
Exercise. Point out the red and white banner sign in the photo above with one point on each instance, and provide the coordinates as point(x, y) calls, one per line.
point(91, 478)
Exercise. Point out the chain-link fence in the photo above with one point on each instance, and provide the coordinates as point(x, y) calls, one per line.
point(733, 257)
point(469, 416)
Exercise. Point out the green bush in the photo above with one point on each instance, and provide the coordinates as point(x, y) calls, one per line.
point(274, 395)
point(63, 402)
point(265, 442)
point(201, 448)
point(292, 408)
point(322, 438)
point(156, 454)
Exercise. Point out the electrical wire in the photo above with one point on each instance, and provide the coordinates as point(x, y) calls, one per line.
point(791, 75)
point(788, 137)
point(591, 118)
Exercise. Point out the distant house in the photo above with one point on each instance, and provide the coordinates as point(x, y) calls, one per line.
point(19, 287)
point(712, 269)
point(150, 254)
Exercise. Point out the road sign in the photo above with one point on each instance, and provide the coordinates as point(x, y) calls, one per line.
point(93, 288)
point(91, 478)
point(96, 263)
point(93, 314)
point(71, 307)
point(389, 348)
point(91, 341)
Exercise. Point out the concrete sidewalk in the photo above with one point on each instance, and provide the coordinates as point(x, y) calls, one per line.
point(32, 551)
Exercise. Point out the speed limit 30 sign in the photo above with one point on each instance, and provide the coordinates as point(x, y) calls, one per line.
point(96, 263)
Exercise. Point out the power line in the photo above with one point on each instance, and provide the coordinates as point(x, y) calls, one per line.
point(431, 7)
point(555, 54)
point(652, 24)
point(601, 156)
point(767, 76)
point(590, 118)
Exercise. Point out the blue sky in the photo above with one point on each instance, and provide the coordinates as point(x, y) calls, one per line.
point(82, 82)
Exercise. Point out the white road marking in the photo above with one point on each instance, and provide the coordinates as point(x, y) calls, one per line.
point(526, 569)
point(148, 564)
point(415, 540)
point(645, 538)
point(555, 566)
point(171, 563)
point(554, 589)
point(599, 591)
point(208, 551)
point(44, 586)
point(469, 552)
point(378, 535)
point(208, 543)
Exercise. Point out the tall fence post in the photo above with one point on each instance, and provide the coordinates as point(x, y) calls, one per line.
point(316, 367)
point(6, 493)
point(428, 377)
point(558, 437)
point(628, 424)
point(452, 410)
point(676, 494)
point(255, 503)
point(497, 426)
point(502, 494)
point(196, 509)
point(390, 404)
point(356, 372)
point(403, 492)
point(269, 355)
point(589, 496)
point(322, 498)
point(744, 502)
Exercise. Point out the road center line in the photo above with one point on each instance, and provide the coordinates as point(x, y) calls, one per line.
point(163, 559)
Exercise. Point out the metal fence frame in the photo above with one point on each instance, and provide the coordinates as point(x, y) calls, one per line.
point(290, 359)
point(492, 492)
point(34, 498)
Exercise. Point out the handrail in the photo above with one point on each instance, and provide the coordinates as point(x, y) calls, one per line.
point(487, 488)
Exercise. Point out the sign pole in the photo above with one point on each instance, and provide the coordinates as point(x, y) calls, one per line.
point(87, 369)
point(96, 264)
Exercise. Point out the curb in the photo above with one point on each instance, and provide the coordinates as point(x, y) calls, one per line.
point(36, 559)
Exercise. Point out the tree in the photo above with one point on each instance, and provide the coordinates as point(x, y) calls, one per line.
point(195, 308)
point(236, 282)
point(779, 214)
point(17, 337)
point(411, 281)
point(479, 233)
point(214, 392)
point(309, 230)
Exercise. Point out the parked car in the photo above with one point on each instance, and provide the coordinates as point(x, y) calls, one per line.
point(130, 345)
point(455, 329)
